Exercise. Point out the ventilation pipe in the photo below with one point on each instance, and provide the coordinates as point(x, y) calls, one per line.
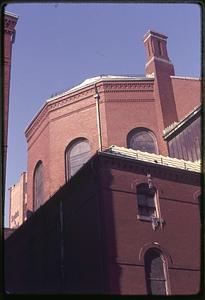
point(97, 99)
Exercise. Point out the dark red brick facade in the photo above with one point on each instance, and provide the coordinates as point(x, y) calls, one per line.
point(87, 238)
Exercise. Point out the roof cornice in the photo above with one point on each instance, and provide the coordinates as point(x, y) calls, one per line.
point(105, 85)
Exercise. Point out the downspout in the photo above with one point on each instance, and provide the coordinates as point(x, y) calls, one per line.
point(97, 99)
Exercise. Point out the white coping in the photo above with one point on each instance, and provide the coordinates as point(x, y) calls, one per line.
point(154, 158)
point(175, 125)
point(96, 79)
point(185, 77)
point(11, 14)
point(155, 34)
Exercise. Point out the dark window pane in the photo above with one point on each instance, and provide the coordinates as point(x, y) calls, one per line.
point(158, 287)
point(142, 140)
point(76, 156)
point(145, 200)
point(38, 185)
point(154, 270)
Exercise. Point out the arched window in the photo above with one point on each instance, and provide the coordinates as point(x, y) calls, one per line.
point(142, 139)
point(155, 272)
point(146, 201)
point(38, 185)
point(76, 155)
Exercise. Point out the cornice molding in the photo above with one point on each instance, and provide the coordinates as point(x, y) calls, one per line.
point(128, 87)
point(103, 87)
point(159, 171)
point(133, 100)
point(9, 24)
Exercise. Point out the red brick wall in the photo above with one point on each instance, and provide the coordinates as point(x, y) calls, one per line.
point(126, 236)
point(129, 109)
point(56, 126)
point(94, 242)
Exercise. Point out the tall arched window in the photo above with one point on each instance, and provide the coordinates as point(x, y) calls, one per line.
point(76, 155)
point(155, 272)
point(142, 139)
point(38, 185)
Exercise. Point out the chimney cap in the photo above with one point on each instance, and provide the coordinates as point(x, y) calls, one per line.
point(155, 34)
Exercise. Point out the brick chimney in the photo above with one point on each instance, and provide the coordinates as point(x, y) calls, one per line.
point(159, 65)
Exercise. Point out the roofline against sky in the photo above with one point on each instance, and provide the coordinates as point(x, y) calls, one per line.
point(7, 13)
point(168, 131)
point(81, 87)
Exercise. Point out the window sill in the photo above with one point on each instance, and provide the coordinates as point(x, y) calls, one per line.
point(143, 218)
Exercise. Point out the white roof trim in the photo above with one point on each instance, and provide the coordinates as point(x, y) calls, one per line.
point(96, 79)
point(11, 14)
point(154, 158)
point(185, 77)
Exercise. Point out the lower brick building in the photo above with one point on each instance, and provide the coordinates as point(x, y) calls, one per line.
point(127, 223)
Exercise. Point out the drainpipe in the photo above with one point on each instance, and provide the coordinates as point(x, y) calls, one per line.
point(97, 98)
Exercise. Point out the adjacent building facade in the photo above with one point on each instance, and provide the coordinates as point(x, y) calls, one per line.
point(10, 21)
point(18, 201)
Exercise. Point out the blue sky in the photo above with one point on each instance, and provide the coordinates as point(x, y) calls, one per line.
point(58, 46)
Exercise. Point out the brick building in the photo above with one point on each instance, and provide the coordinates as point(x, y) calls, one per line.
point(18, 201)
point(94, 235)
point(104, 111)
point(10, 21)
point(108, 219)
